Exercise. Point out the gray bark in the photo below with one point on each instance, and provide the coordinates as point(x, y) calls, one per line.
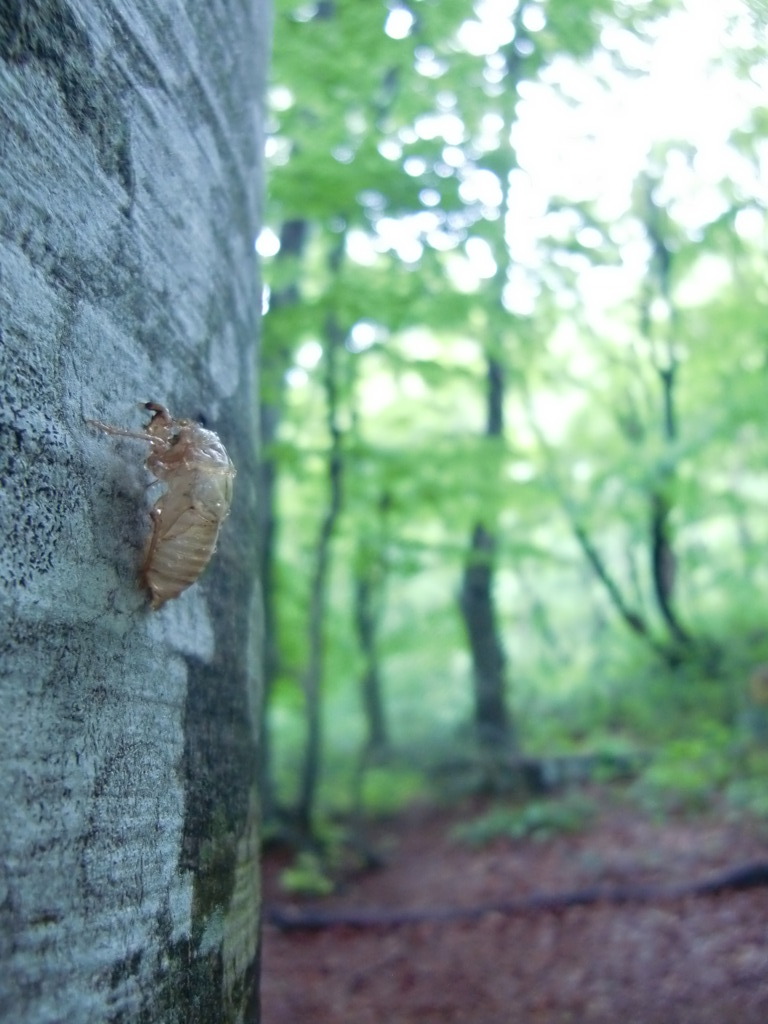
point(493, 725)
point(129, 204)
point(318, 596)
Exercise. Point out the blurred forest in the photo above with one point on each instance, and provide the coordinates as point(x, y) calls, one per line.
point(515, 486)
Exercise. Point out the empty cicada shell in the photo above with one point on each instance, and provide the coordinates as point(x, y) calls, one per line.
point(186, 519)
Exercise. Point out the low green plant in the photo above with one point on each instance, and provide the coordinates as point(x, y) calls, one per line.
point(748, 797)
point(687, 773)
point(306, 876)
point(388, 788)
point(540, 820)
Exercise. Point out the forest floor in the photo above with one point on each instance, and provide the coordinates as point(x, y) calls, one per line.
point(685, 960)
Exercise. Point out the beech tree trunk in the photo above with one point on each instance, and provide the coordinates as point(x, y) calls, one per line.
point(129, 204)
point(318, 596)
point(663, 556)
point(367, 626)
point(275, 362)
point(493, 726)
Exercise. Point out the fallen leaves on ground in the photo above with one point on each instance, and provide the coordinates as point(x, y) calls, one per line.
point(696, 960)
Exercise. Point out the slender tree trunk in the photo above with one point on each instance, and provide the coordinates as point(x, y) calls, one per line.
point(129, 205)
point(492, 724)
point(663, 557)
point(310, 772)
point(276, 361)
point(492, 721)
point(366, 621)
point(370, 576)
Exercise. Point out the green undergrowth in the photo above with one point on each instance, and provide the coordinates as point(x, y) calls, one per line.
point(710, 769)
point(539, 820)
point(749, 795)
point(308, 875)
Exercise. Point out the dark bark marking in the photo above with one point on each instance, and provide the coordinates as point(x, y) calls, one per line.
point(46, 31)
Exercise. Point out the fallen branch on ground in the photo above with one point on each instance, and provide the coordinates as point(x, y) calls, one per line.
point(747, 876)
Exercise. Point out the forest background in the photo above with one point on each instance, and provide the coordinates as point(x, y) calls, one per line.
point(515, 371)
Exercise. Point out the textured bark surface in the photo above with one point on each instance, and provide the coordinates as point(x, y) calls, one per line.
point(130, 141)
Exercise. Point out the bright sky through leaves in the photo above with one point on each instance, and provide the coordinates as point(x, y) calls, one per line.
point(584, 132)
point(595, 148)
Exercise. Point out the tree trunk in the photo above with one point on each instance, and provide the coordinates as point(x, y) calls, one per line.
point(129, 205)
point(663, 557)
point(367, 626)
point(275, 363)
point(492, 722)
point(492, 725)
point(313, 675)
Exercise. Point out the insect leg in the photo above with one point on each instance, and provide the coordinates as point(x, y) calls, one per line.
point(137, 435)
point(149, 554)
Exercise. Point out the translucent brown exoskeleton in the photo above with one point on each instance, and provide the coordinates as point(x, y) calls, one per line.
point(186, 519)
